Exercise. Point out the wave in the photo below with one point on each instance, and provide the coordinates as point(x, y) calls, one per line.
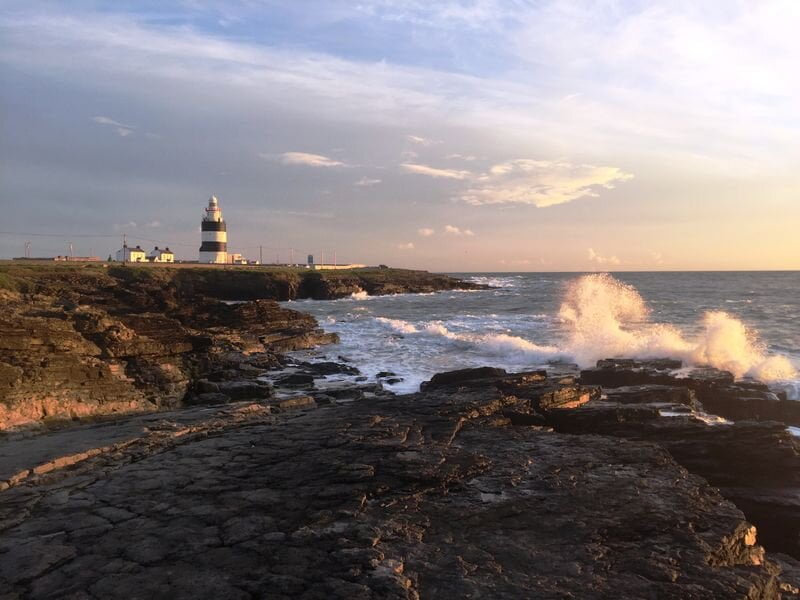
point(607, 318)
point(496, 344)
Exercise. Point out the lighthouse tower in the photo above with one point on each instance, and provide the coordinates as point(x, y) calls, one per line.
point(214, 248)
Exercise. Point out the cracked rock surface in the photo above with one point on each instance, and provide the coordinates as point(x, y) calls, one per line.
point(437, 494)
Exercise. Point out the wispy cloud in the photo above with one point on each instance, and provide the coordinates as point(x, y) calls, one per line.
point(367, 182)
point(434, 172)
point(121, 129)
point(125, 226)
point(453, 230)
point(541, 183)
point(601, 260)
point(421, 140)
point(406, 246)
point(425, 232)
point(309, 160)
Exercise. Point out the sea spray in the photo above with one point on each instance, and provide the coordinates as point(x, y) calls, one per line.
point(608, 318)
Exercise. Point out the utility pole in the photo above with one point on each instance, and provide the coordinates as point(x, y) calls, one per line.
point(124, 249)
point(261, 255)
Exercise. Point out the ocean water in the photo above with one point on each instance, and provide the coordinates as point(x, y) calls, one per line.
point(745, 322)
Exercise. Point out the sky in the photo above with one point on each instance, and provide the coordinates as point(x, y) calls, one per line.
point(484, 135)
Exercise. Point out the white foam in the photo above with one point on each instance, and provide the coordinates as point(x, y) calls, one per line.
point(359, 295)
point(397, 324)
point(608, 318)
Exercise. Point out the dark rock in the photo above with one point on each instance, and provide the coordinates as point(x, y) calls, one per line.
point(208, 398)
point(463, 376)
point(385, 374)
point(241, 390)
point(330, 368)
point(432, 495)
point(296, 379)
point(716, 390)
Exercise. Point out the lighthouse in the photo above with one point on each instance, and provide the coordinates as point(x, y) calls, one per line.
point(214, 235)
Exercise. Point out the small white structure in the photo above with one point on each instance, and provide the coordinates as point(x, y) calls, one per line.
point(214, 235)
point(161, 255)
point(128, 254)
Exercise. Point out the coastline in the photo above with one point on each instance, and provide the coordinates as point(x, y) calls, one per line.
point(212, 445)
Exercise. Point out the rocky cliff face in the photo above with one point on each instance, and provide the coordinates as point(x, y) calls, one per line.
point(92, 340)
point(117, 347)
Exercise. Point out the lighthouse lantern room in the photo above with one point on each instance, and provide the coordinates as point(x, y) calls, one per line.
point(214, 235)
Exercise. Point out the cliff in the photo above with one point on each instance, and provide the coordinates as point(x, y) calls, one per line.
point(89, 340)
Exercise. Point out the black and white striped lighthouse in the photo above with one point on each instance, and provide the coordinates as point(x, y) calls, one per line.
point(214, 235)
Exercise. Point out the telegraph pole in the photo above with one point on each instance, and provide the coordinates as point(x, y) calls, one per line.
point(124, 249)
point(261, 255)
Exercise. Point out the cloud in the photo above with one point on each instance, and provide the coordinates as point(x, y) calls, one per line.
point(121, 129)
point(425, 232)
point(434, 172)
point(541, 183)
point(452, 230)
point(469, 157)
point(309, 160)
point(421, 140)
point(406, 246)
point(153, 224)
point(367, 182)
point(601, 260)
point(122, 226)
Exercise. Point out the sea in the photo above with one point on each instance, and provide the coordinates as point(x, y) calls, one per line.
point(744, 322)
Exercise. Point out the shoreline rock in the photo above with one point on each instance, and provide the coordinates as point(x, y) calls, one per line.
point(434, 494)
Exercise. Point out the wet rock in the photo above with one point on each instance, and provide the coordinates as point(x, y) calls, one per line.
point(208, 398)
point(463, 376)
point(330, 368)
point(716, 390)
point(243, 390)
point(432, 495)
point(296, 379)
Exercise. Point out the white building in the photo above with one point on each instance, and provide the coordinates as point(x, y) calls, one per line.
point(128, 254)
point(214, 235)
point(161, 255)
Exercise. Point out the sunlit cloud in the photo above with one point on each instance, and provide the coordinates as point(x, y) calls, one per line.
point(541, 183)
point(453, 230)
point(309, 160)
point(601, 260)
point(425, 232)
point(434, 172)
point(406, 246)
